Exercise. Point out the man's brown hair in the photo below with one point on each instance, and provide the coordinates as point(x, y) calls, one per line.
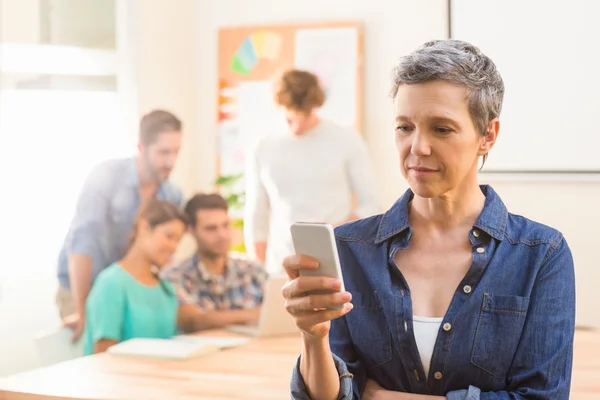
point(156, 122)
point(202, 201)
point(299, 90)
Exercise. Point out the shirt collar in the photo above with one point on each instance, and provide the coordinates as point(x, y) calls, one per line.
point(205, 274)
point(492, 219)
point(133, 178)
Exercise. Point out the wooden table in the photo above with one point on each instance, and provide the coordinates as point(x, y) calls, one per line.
point(259, 370)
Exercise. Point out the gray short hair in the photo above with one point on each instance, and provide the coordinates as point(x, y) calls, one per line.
point(460, 63)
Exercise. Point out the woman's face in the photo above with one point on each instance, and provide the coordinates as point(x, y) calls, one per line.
point(161, 242)
point(438, 143)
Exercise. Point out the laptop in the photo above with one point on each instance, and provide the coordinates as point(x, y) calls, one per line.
point(274, 320)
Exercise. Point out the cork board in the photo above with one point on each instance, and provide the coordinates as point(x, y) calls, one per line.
point(251, 57)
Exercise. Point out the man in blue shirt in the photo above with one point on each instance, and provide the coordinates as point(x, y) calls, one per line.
point(99, 232)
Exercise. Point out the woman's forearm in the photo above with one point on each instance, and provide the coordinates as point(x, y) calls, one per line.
point(390, 395)
point(373, 391)
point(318, 369)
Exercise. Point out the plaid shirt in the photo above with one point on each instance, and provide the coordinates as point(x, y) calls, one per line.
point(241, 286)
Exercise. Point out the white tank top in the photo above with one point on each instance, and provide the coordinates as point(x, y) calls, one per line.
point(426, 330)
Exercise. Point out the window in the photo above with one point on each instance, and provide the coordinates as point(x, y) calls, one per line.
point(65, 106)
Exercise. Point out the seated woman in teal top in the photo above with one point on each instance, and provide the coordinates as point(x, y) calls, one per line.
point(128, 299)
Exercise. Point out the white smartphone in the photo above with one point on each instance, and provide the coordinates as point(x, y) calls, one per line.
point(318, 241)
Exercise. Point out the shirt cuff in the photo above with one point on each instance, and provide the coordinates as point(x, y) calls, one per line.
point(83, 244)
point(473, 393)
point(298, 387)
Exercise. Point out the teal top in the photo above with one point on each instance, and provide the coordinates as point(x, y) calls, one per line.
point(121, 308)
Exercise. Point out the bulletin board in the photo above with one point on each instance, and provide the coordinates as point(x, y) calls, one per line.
point(251, 57)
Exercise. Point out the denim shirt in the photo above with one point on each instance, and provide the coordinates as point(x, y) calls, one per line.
point(508, 332)
point(105, 213)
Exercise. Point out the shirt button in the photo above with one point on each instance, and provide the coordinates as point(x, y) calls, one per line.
point(467, 289)
point(438, 375)
point(475, 233)
point(480, 250)
point(447, 326)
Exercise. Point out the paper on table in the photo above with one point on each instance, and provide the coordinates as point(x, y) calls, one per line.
point(332, 54)
point(220, 342)
point(162, 348)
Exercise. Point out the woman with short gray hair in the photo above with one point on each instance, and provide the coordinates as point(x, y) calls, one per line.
point(447, 295)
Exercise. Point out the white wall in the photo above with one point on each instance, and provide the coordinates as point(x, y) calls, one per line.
point(89, 23)
point(19, 21)
point(167, 72)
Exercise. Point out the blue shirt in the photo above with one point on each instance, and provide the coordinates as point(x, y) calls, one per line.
point(105, 214)
point(121, 308)
point(508, 330)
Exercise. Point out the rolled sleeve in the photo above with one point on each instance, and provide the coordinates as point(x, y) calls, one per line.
point(298, 387)
point(176, 275)
point(351, 370)
point(106, 310)
point(473, 393)
point(90, 215)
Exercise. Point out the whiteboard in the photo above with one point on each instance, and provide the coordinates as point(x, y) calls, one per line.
point(549, 57)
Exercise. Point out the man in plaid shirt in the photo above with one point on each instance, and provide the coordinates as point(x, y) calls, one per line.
point(216, 287)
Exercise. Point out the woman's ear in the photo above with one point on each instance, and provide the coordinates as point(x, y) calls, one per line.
point(488, 141)
point(143, 227)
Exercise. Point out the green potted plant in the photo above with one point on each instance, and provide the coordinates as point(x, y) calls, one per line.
point(228, 186)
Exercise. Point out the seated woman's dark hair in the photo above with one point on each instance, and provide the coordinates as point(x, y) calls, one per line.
point(156, 212)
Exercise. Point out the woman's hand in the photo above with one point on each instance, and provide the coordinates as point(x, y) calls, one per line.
point(372, 391)
point(312, 313)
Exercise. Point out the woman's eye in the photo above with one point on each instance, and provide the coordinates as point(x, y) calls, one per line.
point(443, 131)
point(403, 128)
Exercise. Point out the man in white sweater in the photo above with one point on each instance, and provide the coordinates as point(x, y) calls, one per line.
point(312, 174)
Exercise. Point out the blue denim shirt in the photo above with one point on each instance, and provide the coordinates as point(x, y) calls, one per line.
point(104, 216)
point(511, 319)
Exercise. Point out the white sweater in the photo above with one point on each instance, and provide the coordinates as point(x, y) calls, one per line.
point(306, 178)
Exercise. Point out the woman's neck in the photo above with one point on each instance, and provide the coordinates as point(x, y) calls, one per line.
point(138, 265)
point(456, 209)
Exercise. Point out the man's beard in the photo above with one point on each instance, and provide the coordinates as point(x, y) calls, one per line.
point(157, 175)
point(213, 255)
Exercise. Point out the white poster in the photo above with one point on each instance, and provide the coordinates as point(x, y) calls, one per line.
point(257, 114)
point(332, 54)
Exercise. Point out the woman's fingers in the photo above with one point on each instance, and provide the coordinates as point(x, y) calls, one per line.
point(294, 263)
point(302, 285)
point(299, 305)
point(309, 319)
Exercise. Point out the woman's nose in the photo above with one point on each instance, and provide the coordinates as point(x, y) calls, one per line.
point(420, 145)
